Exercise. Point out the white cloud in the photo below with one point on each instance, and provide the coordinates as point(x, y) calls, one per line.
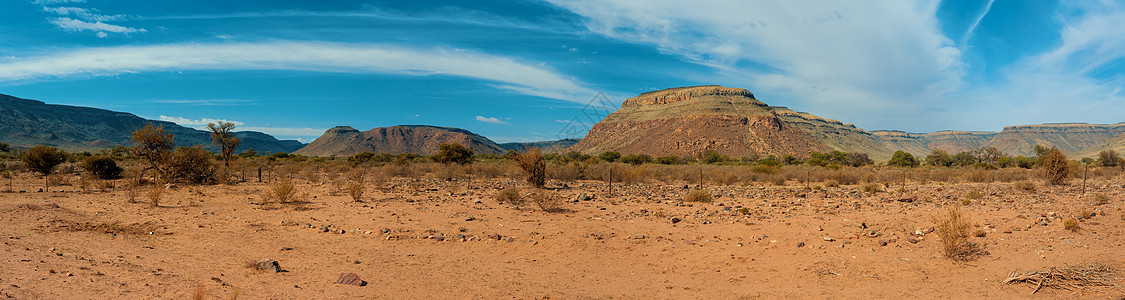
point(205, 102)
point(1063, 84)
point(867, 61)
point(81, 13)
point(492, 120)
point(196, 123)
point(509, 74)
point(79, 25)
point(47, 2)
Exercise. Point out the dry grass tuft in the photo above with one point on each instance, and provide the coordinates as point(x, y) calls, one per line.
point(1071, 225)
point(510, 195)
point(1069, 277)
point(1026, 186)
point(547, 201)
point(953, 227)
point(698, 196)
point(281, 191)
point(155, 194)
point(1101, 199)
point(974, 194)
point(872, 188)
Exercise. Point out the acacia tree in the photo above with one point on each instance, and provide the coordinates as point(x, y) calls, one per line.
point(43, 159)
point(222, 136)
point(155, 145)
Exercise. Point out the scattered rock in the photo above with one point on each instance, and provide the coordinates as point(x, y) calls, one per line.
point(268, 265)
point(829, 239)
point(350, 279)
point(638, 237)
point(674, 220)
point(800, 244)
point(912, 240)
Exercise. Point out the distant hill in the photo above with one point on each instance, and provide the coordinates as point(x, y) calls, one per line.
point(545, 146)
point(27, 123)
point(421, 139)
point(688, 120)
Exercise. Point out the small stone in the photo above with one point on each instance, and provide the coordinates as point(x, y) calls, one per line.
point(674, 220)
point(800, 244)
point(912, 240)
point(1007, 231)
point(268, 265)
point(638, 237)
point(350, 279)
point(829, 239)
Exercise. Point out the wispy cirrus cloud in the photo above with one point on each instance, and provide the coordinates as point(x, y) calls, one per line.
point(48, 2)
point(507, 73)
point(97, 26)
point(81, 13)
point(858, 60)
point(492, 120)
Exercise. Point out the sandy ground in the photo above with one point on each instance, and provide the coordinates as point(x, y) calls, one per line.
point(453, 240)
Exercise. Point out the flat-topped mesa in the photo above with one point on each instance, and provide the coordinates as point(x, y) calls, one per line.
point(671, 95)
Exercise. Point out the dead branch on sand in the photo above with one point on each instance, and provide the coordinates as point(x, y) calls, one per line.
point(1068, 277)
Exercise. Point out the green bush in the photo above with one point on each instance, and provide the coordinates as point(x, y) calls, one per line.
point(609, 156)
point(902, 159)
point(453, 153)
point(102, 167)
point(637, 159)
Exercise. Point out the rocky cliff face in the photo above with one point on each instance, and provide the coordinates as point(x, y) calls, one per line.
point(689, 120)
point(27, 123)
point(421, 139)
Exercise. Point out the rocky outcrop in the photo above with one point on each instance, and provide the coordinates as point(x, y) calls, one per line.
point(27, 123)
point(689, 120)
point(421, 139)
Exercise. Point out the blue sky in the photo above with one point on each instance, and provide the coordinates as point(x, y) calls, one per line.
point(526, 70)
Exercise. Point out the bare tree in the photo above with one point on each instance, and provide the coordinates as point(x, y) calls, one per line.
point(222, 136)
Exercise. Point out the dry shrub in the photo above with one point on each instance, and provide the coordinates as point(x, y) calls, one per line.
point(846, 176)
point(533, 165)
point(1086, 214)
point(831, 183)
point(132, 192)
point(974, 194)
point(155, 194)
point(979, 175)
point(698, 196)
point(566, 171)
point(281, 191)
point(1071, 225)
point(450, 171)
point(547, 201)
point(1055, 167)
point(1011, 174)
point(510, 195)
point(980, 233)
point(953, 227)
point(947, 175)
point(58, 179)
point(629, 174)
point(356, 189)
point(1026, 186)
point(872, 188)
point(1101, 199)
point(312, 175)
